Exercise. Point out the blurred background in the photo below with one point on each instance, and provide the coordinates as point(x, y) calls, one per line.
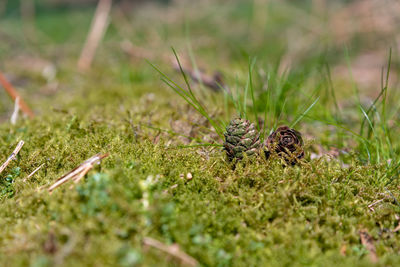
point(41, 42)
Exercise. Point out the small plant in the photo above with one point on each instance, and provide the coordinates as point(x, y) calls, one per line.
point(7, 184)
point(241, 135)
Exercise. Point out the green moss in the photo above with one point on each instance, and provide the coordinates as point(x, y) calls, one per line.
point(258, 213)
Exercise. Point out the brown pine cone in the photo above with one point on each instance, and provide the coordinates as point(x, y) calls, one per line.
point(286, 143)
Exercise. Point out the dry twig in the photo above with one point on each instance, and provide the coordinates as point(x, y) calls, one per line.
point(79, 172)
point(96, 33)
point(14, 116)
point(395, 230)
point(12, 156)
point(371, 206)
point(14, 95)
point(32, 173)
point(368, 242)
point(171, 250)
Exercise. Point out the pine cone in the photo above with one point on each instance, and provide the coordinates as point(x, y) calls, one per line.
point(287, 143)
point(241, 137)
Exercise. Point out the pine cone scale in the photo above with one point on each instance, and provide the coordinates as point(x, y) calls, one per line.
point(287, 143)
point(241, 137)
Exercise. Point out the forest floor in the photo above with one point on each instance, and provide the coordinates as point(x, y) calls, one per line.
point(165, 193)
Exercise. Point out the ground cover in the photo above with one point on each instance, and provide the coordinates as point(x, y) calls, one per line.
point(167, 178)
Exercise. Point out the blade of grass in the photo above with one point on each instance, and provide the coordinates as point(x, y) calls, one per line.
point(353, 133)
point(386, 86)
point(251, 67)
point(238, 103)
point(192, 57)
point(381, 93)
point(374, 133)
point(189, 97)
point(331, 88)
point(304, 113)
point(246, 89)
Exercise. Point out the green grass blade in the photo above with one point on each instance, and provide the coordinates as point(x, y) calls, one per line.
point(304, 113)
point(188, 97)
point(251, 68)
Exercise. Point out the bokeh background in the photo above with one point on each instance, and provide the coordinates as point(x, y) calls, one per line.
point(357, 34)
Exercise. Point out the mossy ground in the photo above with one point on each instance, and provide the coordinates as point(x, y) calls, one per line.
point(257, 214)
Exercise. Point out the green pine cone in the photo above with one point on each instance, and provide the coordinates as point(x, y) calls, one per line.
point(241, 137)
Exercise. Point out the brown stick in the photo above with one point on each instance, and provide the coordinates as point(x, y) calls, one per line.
point(371, 206)
point(14, 94)
point(12, 156)
point(96, 33)
point(32, 173)
point(78, 173)
point(14, 116)
point(172, 250)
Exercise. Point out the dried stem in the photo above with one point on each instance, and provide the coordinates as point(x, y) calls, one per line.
point(32, 173)
point(14, 95)
point(12, 156)
point(171, 250)
point(371, 206)
point(14, 116)
point(96, 33)
point(79, 172)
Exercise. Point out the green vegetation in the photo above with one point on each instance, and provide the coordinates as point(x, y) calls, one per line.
point(167, 177)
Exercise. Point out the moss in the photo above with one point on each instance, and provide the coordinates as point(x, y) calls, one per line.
point(259, 213)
